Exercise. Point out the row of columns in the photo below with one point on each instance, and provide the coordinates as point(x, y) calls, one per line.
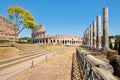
point(92, 35)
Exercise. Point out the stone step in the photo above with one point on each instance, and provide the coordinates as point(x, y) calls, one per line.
point(19, 57)
point(12, 62)
point(24, 47)
point(27, 50)
point(32, 52)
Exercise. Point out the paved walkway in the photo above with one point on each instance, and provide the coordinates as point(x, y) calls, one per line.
point(57, 67)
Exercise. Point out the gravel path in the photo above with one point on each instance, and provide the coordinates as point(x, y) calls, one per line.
point(57, 67)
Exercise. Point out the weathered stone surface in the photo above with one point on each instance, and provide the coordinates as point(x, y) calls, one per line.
point(91, 35)
point(105, 29)
point(100, 64)
point(8, 30)
point(39, 36)
point(94, 34)
point(108, 75)
point(98, 40)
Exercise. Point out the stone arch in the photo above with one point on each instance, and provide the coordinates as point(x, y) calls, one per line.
point(51, 41)
point(46, 40)
point(57, 41)
point(63, 41)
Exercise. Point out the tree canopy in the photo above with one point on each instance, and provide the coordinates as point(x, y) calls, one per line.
point(20, 17)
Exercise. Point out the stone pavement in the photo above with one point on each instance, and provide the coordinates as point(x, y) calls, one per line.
point(57, 67)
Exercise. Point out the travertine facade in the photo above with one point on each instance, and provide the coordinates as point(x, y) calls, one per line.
point(39, 36)
point(8, 30)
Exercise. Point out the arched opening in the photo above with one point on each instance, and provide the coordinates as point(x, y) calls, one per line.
point(46, 40)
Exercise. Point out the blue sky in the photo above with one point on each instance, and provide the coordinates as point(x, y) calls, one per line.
point(70, 17)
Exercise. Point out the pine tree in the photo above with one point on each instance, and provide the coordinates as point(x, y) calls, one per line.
point(119, 48)
point(116, 45)
point(111, 46)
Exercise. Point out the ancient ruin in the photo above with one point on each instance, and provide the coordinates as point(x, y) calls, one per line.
point(8, 30)
point(105, 29)
point(39, 36)
point(95, 33)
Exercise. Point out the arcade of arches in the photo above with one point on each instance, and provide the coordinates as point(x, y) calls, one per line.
point(39, 36)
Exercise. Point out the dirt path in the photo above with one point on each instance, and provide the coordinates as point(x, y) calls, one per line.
point(57, 67)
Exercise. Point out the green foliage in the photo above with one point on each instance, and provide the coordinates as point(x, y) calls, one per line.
point(116, 45)
point(4, 41)
point(109, 55)
point(117, 38)
point(111, 36)
point(114, 62)
point(24, 40)
point(21, 17)
point(110, 46)
point(42, 46)
point(119, 48)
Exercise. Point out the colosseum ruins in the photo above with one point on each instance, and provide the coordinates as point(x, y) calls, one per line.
point(39, 36)
point(8, 30)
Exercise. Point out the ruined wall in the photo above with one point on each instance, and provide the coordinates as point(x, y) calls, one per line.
point(8, 30)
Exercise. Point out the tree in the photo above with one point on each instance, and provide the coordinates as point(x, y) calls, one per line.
point(119, 48)
point(117, 38)
point(111, 46)
point(21, 17)
point(111, 36)
point(24, 40)
point(116, 45)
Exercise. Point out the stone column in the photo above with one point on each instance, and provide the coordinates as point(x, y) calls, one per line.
point(105, 29)
point(48, 40)
point(86, 37)
point(94, 34)
point(91, 35)
point(98, 32)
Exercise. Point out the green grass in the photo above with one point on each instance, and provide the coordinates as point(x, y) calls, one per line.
point(43, 46)
point(4, 41)
point(23, 42)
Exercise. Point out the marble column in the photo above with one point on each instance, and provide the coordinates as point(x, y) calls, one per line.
point(98, 24)
point(105, 29)
point(94, 34)
point(87, 37)
point(91, 35)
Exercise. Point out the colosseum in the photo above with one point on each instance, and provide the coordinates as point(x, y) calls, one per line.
point(39, 36)
point(8, 30)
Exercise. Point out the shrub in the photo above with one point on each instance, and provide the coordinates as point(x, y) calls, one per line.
point(4, 41)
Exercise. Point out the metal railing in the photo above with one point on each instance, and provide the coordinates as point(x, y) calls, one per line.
point(89, 71)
